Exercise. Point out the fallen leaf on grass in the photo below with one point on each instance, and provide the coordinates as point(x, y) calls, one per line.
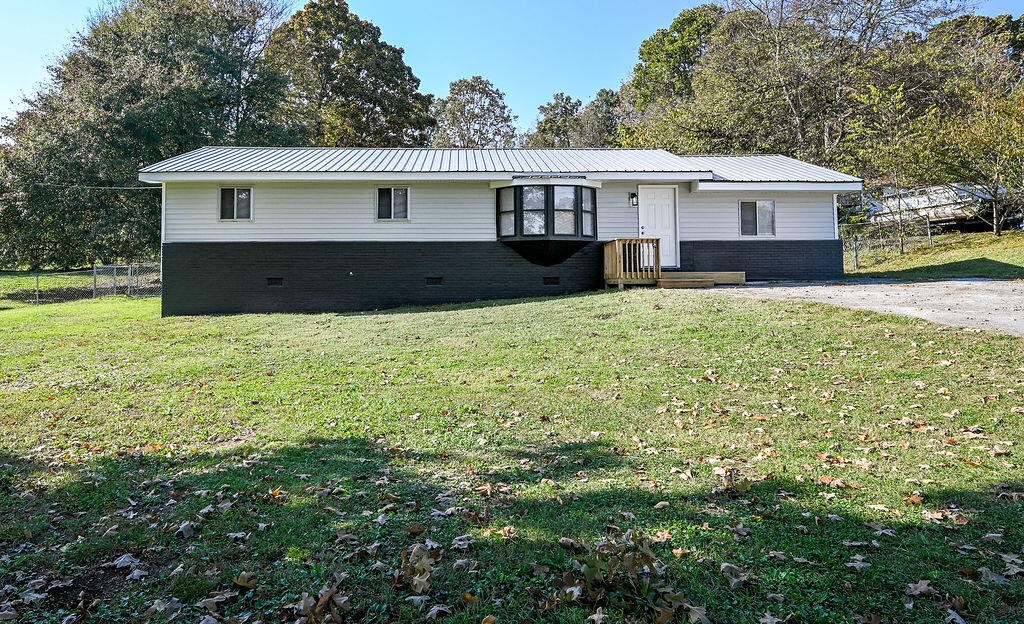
point(125, 561)
point(988, 576)
point(736, 576)
point(437, 611)
point(920, 588)
point(858, 563)
point(137, 575)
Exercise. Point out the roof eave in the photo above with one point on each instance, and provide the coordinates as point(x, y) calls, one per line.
point(803, 185)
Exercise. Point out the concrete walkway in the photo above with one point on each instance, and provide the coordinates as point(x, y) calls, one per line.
point(980, 303)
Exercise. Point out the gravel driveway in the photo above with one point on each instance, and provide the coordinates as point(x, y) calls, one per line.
point(985, 304)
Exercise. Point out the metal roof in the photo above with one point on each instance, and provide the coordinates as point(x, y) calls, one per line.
point(282, 160)
point(402, 160)
point(764, 168)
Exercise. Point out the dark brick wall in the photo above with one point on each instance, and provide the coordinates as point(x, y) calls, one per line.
point(205, 278)
point(766, 259)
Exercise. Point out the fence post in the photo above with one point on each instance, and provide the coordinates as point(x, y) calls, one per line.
point(928, 224)
point(856, 259)
point(93, 280)
point(129, 280)
point(37, 289)
point(115, 280)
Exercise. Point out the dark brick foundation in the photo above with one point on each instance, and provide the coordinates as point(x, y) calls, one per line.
point(766, 259)
point(208, 278)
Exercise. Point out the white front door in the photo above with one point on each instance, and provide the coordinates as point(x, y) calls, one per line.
point(658, 220)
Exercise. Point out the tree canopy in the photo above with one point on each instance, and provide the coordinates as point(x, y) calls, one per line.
point(150, 79)
point(474, 115)
point(346, 87)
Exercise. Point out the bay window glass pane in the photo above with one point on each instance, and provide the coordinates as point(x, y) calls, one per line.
point(227, 203)
point(533, 198)
point(508, 224)
point(505, 199)
point(588, 224)
point(243, 203)
point(748, 218)
point(588, 199)
point(766, 217)
point(565, 221)
point(533, 220)
point(383, 203)
point(565, 198)
point(400, 203)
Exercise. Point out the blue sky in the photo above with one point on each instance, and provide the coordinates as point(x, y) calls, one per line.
point(530, 49)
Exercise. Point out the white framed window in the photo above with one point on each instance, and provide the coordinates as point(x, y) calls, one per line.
point(236, 203)
point(392, 203)
point(757, 218)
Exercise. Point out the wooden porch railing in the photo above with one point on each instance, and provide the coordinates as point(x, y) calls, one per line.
point(632, 261)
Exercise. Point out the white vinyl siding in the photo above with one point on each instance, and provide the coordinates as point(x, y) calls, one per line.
point(462, 211)
point(714, 215)
point(331, 211)
point(615, 217)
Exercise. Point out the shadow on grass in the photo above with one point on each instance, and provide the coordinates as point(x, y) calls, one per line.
point(295, 514)
point(976, 268)
point(473, 305)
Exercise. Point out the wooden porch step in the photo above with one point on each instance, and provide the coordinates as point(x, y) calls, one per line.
point(673, 282)
point(736, 278)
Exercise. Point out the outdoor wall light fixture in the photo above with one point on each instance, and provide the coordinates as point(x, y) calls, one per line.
point(634, 200)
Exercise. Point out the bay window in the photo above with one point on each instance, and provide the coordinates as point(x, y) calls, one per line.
point(548, 211)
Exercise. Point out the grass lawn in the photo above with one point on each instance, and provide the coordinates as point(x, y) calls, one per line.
point(798, 460)
point(952, 256)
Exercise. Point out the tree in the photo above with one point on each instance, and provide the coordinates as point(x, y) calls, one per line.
point(881, 141)
point(559, 123)
point(781, 76)
point(147, 79)
point(474, 115)
point(599, 120)
point(669, 56)
point(981, 149)
point(346, 86)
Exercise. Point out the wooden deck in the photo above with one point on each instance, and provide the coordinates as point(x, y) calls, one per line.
point(637, 262)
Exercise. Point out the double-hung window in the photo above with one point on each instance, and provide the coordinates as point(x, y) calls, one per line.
point(757, 218)
point(392, 203)
point(236, 204)
point(534, 211)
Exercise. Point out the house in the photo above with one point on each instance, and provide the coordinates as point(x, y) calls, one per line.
point(253, 229)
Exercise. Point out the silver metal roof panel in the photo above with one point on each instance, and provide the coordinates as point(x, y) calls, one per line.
point(283, 160)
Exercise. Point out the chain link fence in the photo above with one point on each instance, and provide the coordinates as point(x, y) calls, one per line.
point(867, 244)
point(132, 280)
